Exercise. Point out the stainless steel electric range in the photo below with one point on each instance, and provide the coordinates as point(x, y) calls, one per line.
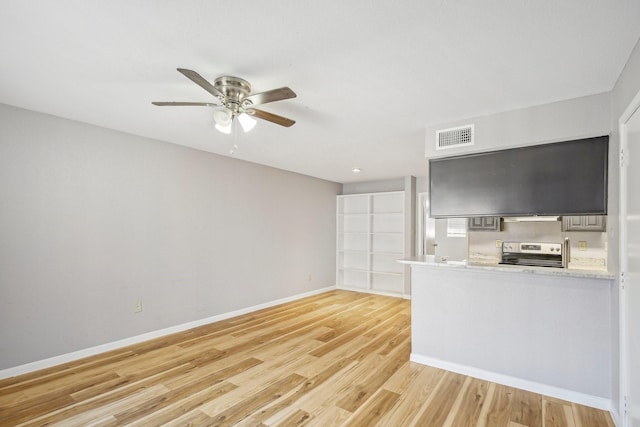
point(533, 254)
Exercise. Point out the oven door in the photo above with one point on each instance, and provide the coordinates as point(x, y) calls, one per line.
point(534, 260)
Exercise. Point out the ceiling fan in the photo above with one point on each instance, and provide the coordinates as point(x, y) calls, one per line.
point(235, 101)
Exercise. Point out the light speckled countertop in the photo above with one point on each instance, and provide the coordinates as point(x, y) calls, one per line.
point(432, 261)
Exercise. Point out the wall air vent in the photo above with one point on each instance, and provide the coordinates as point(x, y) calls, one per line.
point(454, 137)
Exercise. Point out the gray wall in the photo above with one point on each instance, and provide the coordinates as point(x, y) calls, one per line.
point(396, 184)
point(626, 88)
point(560, 121)
point(93, 220)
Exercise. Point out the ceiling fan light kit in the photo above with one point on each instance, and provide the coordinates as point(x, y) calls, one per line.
point(223, 116)
point(246, 121)
point(233, 95)
point(224, 129)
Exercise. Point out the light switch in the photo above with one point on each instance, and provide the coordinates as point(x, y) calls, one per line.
point(582, 245)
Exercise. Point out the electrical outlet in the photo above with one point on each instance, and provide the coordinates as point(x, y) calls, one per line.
point(498, 243)
point(582, 245)
point(137, 307)
point(310, 277)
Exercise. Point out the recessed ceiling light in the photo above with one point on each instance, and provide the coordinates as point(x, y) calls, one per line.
point(356, 170)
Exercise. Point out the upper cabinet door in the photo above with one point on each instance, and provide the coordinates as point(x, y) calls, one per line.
point(484, 223)
point(584, 223)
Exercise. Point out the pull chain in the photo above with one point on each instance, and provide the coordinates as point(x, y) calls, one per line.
point(234, 134)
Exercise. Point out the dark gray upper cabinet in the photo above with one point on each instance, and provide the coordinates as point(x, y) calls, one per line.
point(563, 178)
point(584, 223)
point(484, 223)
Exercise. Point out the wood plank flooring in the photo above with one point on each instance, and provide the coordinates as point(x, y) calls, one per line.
point(335, 359)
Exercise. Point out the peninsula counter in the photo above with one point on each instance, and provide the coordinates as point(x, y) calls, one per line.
point(546, 330)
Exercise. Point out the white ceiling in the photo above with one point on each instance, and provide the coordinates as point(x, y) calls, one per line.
point(370, 76)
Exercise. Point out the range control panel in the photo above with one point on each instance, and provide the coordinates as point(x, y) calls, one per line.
point(532, 248)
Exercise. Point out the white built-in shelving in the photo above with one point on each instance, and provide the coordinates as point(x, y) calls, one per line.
point(370, 240)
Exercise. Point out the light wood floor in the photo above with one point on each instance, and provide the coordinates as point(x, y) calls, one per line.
point(339, 358)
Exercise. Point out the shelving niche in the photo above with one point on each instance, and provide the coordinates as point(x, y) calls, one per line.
point(370, 239)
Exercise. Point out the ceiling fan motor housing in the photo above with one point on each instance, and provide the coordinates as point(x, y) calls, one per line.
point(234, 90)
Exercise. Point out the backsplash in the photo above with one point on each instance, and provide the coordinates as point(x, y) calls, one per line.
point(592, 255)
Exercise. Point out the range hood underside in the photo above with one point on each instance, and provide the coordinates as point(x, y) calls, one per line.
point(533, 218)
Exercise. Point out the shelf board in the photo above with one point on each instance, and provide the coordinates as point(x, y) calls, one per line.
point(367, 252)
point(357, 270)
point(351, 286)
point(387, 273)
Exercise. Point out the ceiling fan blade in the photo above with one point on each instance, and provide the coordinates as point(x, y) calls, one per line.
point(202, 82)
point(182, 104)
point(271, 96)
point(274, 118)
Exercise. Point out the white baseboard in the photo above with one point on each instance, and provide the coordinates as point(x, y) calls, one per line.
point(615, 416)
point(374, 292)
point(76, 355)
point(535, 387)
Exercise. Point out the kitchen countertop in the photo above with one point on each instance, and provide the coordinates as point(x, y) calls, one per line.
point(433, 261)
